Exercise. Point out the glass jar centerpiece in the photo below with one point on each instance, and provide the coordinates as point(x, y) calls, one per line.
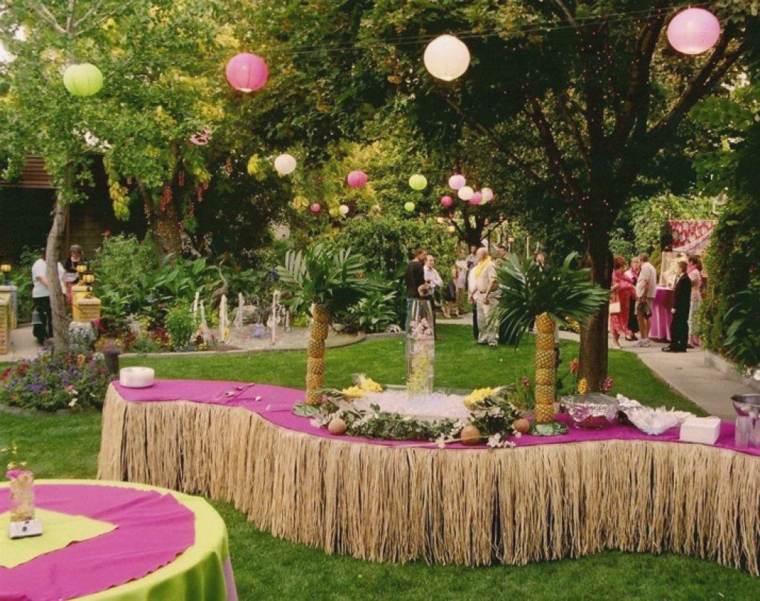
point(420, 348)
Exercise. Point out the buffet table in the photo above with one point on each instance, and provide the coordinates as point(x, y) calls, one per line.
point(109, 541)
point(380, 500)
point(662, 315)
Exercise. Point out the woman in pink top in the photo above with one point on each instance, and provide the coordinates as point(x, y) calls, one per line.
point(621, 291)
point(694, 272)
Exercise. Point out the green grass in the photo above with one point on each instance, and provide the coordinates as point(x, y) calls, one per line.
point(271, 569)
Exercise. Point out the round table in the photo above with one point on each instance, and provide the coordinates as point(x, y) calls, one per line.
point(661, 314)
point(111, 541)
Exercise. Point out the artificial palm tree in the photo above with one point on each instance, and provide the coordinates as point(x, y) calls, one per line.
point(323, 281)
point(547, 295)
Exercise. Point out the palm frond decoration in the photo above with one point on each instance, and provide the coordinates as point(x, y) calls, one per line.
point(323, 281)
point(546, 295)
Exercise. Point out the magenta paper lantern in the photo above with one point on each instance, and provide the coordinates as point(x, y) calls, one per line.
point(476, 199)
point(247, 72)
point(315, 207)
point(457, 181)
point(357, 179)
point(693, 31)
point(446, 201)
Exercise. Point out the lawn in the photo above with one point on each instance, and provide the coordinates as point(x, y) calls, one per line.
point(267, 568)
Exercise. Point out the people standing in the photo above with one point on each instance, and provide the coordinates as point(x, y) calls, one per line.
point(694, 272)
point(632, 273)
point(679, 328)
point(482, 288)
point(74, 260)
point(646, 288)
point(472, 260)
point(42, 323)
point(433, 282)
point(459, 273)
point(621, 292)
point(415, 275)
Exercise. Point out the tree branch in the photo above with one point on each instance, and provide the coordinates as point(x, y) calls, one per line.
point(569, 17)
point(562, 101)
point(47, 16)
point(70, 17)
point(94, 8)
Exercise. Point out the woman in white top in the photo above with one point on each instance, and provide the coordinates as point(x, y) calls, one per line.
point(695, 275)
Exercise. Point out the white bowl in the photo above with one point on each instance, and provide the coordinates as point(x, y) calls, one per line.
point(136, 377)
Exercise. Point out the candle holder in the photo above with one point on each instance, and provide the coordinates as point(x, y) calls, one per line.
point(22, 521)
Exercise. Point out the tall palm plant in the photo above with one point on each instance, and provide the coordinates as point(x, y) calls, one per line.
point(547, 295)
point(324, 281)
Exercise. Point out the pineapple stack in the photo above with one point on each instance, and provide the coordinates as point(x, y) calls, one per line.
point(315, 362)
point(545, 369)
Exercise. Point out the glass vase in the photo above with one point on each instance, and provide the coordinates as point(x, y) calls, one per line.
point(22, 496)
point(420, 348)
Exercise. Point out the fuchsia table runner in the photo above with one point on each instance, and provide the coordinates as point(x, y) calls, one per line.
point(275, 404)
point(152, 529)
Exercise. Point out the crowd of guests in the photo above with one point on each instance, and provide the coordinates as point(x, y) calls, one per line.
point(632, 295)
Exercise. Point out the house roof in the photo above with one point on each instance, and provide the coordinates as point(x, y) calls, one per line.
point(33, 175)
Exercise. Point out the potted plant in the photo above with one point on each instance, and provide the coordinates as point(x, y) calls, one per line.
point(544, 295)
point(323, 281)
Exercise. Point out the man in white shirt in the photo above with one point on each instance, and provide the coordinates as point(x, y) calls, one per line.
point(483, 287)
point(43, 325)
point(432, 277)
point(646, 288)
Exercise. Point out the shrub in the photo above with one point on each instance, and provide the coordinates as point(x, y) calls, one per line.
point(179, 325)
point(375, 312)
point(56, 381)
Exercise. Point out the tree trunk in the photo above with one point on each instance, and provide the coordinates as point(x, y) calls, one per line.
point(164, 223)
point(315, 359)
point(52, 255)
point(546, 366)
point(594, 335)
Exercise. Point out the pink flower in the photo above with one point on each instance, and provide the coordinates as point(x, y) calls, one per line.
point(525, 381)
point(15, 473)
point(607, 384)
point(574, 366)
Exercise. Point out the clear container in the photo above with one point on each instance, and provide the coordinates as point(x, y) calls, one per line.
point(420, 348)
point(22, 496)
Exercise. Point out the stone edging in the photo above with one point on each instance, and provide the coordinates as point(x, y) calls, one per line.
point(729, 369)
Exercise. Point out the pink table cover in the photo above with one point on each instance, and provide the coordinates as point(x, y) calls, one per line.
point(152, 529)
point(275, 404)
point(661, 314)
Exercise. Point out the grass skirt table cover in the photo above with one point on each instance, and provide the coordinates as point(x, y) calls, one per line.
point(402, 501)
point(117, 542)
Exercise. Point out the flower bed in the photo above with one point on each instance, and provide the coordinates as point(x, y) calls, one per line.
point(56, 381)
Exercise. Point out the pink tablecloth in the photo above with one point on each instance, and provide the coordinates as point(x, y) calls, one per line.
point(661, 314)
point(275, 404)
point(151, 530)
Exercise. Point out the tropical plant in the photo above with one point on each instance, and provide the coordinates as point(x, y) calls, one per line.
point(179, 325)
point(547, 295)
point(323, 281)
point(375, 312)
point(742, 339)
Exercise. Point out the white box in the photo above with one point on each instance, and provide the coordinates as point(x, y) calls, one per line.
point(136, 377)
point(704, 430)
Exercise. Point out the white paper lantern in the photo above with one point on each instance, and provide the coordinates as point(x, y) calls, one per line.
point(343, 210)
point(465, 193)
point(446, 57)
point(487, 195)
point(285, 164)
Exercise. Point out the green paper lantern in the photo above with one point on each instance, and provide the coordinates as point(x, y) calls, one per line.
point(83, 79)
point(409, 207)
point(418, 182)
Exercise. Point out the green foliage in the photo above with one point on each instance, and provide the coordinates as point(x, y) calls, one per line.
point(742, 327)
point(323, 276)
point(528, 290)
point(648, 215)
point(55, 381)
point(179, 324)
point(375, 312)
point(21, 277)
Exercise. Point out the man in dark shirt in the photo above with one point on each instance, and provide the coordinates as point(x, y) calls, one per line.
point(679, 328)
point(415, 274)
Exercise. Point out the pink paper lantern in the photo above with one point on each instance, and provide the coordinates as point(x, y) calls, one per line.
point(315, 207)
point(247, 72)
point(357, 179)
point(476, 199)
point(457, 181)
point(693, 31)
point(446, 201)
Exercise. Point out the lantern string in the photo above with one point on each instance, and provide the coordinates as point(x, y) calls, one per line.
point(542, 27)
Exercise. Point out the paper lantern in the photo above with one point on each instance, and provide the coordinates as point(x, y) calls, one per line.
point(418, 182)
point(446, 57)
point(357, 179)
point(409, 207)
point(315, 207)
point(446, 201)
point(334, 212)
point(487, 194)
point(693, 31)
point(83, 79)
point(343, 210)
point(285, 164)
point(456, 181)
point(247, 72)
point(451, 229)
point(477, 198)
point(465, 193)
